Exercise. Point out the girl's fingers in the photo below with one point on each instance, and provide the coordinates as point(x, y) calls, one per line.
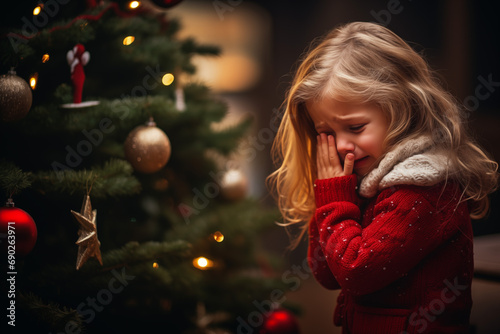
point(332, 153)
point(327, 159)
point(319, 160)
point(323, 164)
point(324, 150)
point(348, 164)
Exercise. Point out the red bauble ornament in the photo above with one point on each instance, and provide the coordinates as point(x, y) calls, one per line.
point(19, 229)
point(280, 321)
point(166, 3)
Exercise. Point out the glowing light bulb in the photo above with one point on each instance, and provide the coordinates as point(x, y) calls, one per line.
point(33, 81)
point(218, 236)
point(128, 40)
point(203, 263)
point(37, 10)
point(134, 4)
point(45, 58)
point(155, 265)
point(167, 79)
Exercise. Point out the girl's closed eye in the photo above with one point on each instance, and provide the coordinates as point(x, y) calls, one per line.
point(357, 128)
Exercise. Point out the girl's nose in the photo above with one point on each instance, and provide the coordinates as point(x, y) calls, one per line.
point(344, 145)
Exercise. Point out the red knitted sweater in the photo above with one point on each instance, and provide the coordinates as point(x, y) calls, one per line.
point(403, 258)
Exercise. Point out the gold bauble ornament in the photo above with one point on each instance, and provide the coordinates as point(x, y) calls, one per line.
point(147, 148)
point(15, 97)
point(234, 185)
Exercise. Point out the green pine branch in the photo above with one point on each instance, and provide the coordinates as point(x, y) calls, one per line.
point(113, 179)
point(136, 258)
point(169, 252)
point(48, 316)
point(12, 179)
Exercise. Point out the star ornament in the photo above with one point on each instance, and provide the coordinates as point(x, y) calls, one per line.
point(88, 244)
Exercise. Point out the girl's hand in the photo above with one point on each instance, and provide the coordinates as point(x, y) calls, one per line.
point(328, 161)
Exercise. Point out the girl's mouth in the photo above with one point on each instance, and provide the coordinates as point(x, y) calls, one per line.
point(361, 162)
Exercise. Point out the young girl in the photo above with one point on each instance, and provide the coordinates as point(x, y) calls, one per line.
point(375, 156)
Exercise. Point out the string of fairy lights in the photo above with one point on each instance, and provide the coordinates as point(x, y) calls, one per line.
point(167, 79)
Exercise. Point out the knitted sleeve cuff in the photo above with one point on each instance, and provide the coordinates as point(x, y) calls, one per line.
point(335, 189)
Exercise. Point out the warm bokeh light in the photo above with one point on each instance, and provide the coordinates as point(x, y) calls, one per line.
point(234, 184)
point(37, 10)
point(167, 79)
point(232, 176)
point(203, 263)
point(45, 58)
point(155, 265)
point(33, 81)
point(128, 40)
point(244, 39)
point(134, 4)
point(161, 184)
point(219, 72)
point(218, 236)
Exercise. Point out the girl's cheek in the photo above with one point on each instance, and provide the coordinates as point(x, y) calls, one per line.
point(374, 140)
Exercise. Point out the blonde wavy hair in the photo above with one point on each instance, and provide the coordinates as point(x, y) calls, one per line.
point(367, 63)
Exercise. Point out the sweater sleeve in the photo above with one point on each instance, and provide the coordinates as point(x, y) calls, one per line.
point(317, 260)
point(406, 226)
point(316, 257)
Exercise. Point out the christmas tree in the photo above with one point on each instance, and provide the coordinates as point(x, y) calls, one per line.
point(121, 211)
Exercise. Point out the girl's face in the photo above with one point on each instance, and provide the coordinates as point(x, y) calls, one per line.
point(357, 128)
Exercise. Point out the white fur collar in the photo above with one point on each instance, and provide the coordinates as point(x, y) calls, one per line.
point(416, 162)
